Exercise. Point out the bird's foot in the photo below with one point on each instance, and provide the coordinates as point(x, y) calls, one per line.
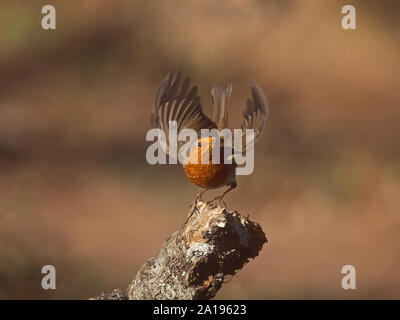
point(193, 209)
point(218, 200)
point(196, 201)
point(199, 198)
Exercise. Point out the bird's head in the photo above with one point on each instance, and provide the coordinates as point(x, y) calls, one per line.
point(203, 150)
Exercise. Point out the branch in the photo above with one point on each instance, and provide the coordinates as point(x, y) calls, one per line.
point(194, 261)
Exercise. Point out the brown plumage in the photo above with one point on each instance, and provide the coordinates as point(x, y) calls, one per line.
point(176, 100)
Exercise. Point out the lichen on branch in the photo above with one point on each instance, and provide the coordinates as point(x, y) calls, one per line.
point(194, 261)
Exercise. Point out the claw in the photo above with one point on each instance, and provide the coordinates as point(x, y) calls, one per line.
point(199, 198)
point(219, 199)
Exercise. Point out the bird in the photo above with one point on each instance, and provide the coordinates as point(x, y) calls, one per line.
point(178, 100)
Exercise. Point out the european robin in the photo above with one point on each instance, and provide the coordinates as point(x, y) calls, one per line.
point(177, 101)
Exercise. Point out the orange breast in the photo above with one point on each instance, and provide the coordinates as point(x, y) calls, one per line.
point(208, 175)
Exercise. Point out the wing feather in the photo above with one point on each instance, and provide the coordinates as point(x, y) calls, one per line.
point(177, 101)
point(254, 115)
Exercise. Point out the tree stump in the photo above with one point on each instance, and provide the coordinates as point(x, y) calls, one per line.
point(194, 261)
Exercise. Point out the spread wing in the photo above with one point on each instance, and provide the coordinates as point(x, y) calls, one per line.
point(177, 100)
point(254, 115)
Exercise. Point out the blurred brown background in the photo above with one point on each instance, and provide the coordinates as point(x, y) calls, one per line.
point(76, 191)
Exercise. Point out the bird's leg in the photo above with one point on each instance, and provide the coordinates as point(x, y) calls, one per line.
point(219, 198)
point(198, 197)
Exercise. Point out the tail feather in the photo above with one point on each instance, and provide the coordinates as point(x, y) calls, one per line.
point(221, 95)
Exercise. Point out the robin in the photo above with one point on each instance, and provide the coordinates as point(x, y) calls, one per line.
point(177, 101)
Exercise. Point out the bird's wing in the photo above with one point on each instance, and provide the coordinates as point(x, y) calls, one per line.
point(254, 115)
point(177, 101)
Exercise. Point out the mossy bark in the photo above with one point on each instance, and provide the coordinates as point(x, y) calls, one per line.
point(194, 261)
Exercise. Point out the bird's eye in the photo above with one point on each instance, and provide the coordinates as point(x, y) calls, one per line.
point(199, 144)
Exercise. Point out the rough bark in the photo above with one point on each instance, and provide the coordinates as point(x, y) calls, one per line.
point(194, 261)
